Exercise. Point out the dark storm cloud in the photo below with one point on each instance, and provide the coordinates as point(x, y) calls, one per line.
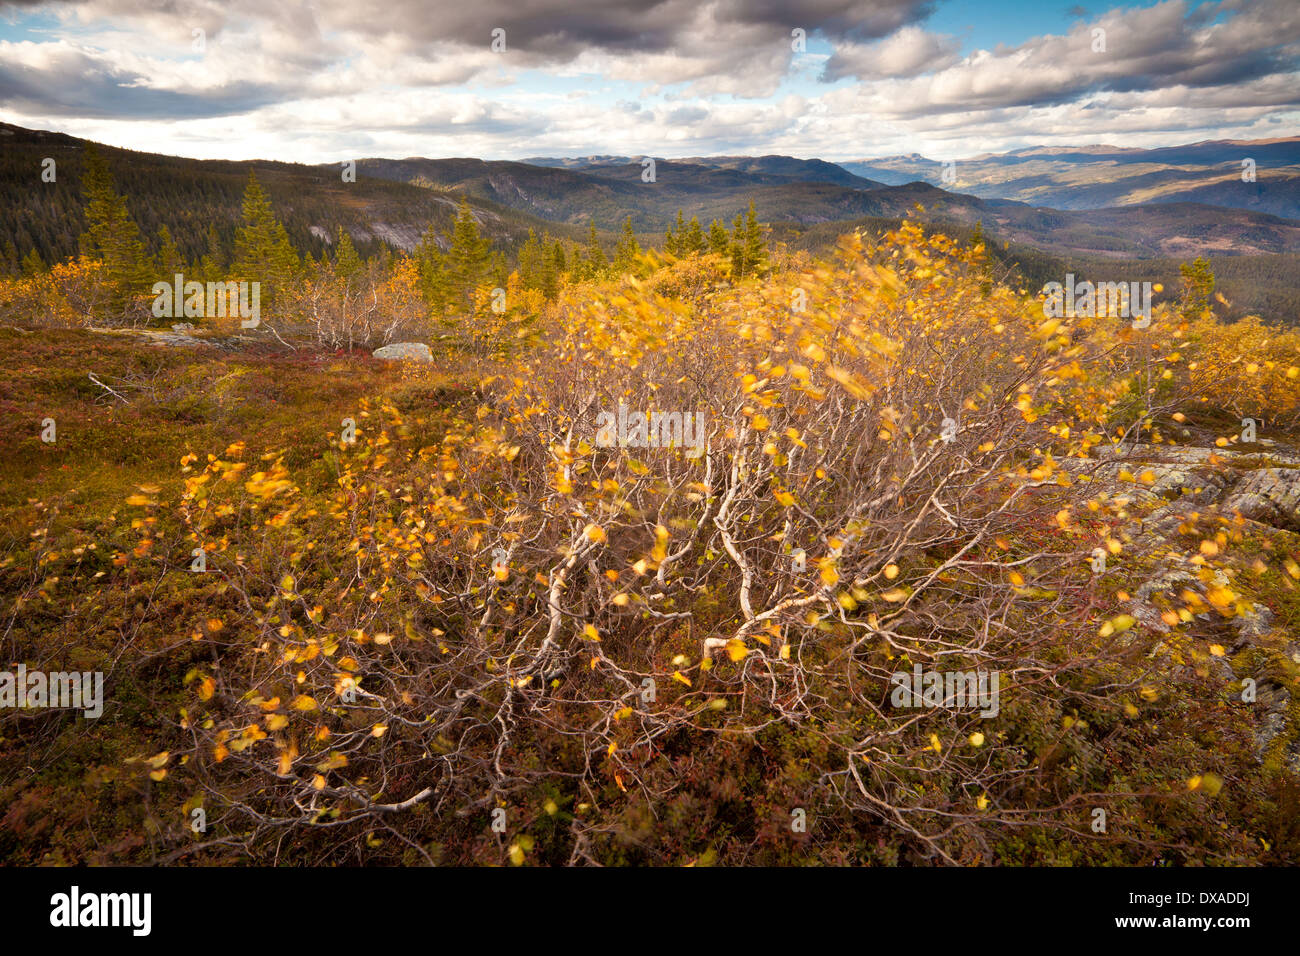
point(560, 28)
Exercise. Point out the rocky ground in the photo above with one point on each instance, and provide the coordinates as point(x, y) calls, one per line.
point(1185, 494)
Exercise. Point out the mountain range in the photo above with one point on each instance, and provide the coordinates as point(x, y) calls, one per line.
point(1094, 177)
point(1056, 207)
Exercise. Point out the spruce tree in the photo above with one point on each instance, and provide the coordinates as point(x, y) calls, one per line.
point(596, 261)
point(170, 261)
point(1198, 287)
point(432, 265)
point(263, 252)
point(675, 239)
point(468, 258)
point(111, 235)
point(212, 267)
point(737, 248)
point(559, 259)
point(530, 262)
point(694, 241)
point(719, 243)
point(755, 252)
point(347, 264)
point(11, 263)
point(628, 249)
point(32, 263)
point(550, 277)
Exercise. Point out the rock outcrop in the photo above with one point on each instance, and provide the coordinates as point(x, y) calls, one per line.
point(405, 351)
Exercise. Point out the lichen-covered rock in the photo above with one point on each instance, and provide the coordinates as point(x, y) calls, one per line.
point(1276, 703)
point(1268, 495)
point(405, 351)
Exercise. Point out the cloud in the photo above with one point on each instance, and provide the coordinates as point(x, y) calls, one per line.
point(636, 77)
point(907, 52)
point(1146, 49)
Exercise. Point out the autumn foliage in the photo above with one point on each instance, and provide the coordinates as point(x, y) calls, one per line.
point(641, 654)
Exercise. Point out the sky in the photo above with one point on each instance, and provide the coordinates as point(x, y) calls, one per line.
point(329, 80)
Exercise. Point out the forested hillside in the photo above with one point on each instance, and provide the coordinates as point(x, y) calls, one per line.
point(199, 203)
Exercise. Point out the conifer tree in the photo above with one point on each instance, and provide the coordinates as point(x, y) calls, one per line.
point(347, 264)
point(530, 262)
point(737, 247)
point(559, 259)
point(212, 267)
point(755, 252)
point(550, 279)
point(468, 259)
point(596, 261)
point(432, 266)
point(498, 271)
point(719, 243)
point(111, 235)
point(628, 249)
point(263, 252)
point(32, 263)
point(1198, 287)
point(170, 261)
point(693, 243)
point(11, 264)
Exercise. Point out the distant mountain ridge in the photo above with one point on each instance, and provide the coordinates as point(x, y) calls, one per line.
point(1094, 177)
point(394, 201)
point(605, 190)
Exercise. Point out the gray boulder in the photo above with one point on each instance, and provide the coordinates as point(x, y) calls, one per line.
point(405, 351)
